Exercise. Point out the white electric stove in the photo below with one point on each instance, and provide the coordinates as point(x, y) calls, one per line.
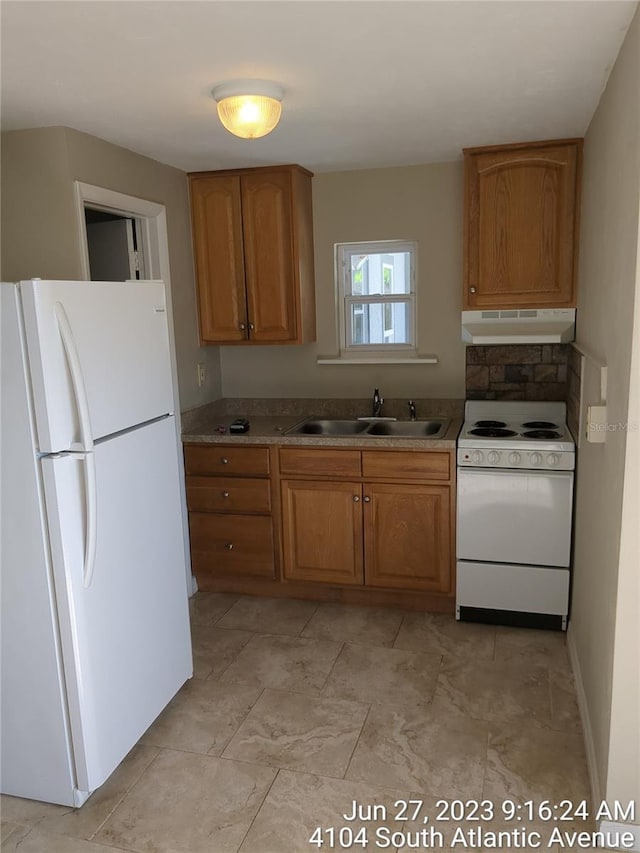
point(515, 503)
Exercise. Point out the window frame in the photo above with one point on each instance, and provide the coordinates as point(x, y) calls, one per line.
point(344, 299)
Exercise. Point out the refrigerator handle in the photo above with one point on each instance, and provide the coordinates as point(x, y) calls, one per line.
point(91, 499)
point(86, 436)
point(77, 379)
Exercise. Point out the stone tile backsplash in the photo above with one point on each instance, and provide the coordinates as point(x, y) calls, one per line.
point(574, 391)
point(518, 372)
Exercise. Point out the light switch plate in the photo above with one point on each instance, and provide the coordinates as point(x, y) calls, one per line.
point(596, 432)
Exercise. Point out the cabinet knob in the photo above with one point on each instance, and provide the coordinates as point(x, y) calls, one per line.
point(242, 326)
point(225, 494)
point(224, 460)
point(473, 290)
point(229, 546)
point(367, 499)
point(251, 326)
point(356, 499)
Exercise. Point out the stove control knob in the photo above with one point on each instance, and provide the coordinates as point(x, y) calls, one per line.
point(514, 458)
point(536, 458)
point(493, 457)
point(477, 457)
point(553, 460)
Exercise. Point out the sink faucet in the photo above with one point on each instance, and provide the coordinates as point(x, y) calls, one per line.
point(377, 403)
point(412, 409)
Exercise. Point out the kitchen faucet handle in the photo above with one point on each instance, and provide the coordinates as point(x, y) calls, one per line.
point(377, 403)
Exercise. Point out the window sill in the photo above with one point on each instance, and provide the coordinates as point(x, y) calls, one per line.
point(426, 359)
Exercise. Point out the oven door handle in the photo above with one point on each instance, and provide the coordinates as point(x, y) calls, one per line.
point(512, 472)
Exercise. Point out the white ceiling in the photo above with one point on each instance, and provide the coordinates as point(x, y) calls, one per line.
point(367, 84)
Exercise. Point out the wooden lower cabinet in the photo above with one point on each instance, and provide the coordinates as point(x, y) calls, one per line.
point(231, 544)
point(322, 531)
point(230, 512)
point(343, 524)
point(407, 536)
point(394, 536)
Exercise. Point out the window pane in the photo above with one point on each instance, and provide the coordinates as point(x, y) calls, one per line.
point(380, 323)
point(359, 324)
point(383, 272)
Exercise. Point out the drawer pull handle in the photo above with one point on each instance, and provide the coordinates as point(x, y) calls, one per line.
point(225, 494)
point(229, 546)
point(356, 499)
point(367, 499)
point(224, 460)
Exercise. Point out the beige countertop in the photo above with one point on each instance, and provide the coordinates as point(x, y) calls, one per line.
point(206, 425)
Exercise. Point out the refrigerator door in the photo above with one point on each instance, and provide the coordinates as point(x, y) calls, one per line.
point(98, 352)
point(125, 637)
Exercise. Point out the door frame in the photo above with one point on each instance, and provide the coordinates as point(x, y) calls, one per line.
point(151, 230)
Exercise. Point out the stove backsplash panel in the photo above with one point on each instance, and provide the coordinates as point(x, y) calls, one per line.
point(518, 372)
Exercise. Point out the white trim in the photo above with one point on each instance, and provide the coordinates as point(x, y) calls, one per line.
point(428, 359)
point(386, 353)
point(583, 707)
point(151, 225)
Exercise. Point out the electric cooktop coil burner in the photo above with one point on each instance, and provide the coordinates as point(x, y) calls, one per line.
point(540, 425)
point(542, 433)
point(490, 424)
point(492, 432)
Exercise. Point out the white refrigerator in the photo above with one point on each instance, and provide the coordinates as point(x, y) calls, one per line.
point(95, 627)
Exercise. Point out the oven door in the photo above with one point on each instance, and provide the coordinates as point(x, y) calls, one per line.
point(514, 516)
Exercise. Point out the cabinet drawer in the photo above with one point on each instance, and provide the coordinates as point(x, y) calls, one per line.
point(231, 544)
point(226, 459)
point(232, 494)
point(403, 465)
point(320, 462)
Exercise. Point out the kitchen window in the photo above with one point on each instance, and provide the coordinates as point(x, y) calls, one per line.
point(377, 299)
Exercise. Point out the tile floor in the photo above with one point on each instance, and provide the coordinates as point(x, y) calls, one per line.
point(298, 709)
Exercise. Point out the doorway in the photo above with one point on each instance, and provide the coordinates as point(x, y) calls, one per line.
point(112, 244)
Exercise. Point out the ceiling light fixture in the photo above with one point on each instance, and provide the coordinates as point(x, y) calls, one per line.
point(249, 108)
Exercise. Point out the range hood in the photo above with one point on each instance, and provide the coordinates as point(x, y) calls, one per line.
point(519, 326)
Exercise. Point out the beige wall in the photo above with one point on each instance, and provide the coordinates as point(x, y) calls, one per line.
point(600, 623)
point(623, 778)
point(422, 203)
point(39, 228)
point(38, 213)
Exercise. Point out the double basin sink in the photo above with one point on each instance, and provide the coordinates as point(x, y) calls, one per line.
point(433, 428)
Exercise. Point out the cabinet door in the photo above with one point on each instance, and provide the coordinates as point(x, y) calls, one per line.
point(268, 246)
point(407, 536)
point(217, 239)
point(322, 531)
point(520, 228)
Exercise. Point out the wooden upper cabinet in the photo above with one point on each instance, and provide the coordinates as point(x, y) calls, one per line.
point(253, 246)
point(216, 215)
point(521, 225)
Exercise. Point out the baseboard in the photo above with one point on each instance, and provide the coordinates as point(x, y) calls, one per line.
point(594, 781)
point(609, 827)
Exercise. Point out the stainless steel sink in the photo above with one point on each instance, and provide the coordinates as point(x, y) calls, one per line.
point(330, 426)
point(433, 428)
point(410, 429)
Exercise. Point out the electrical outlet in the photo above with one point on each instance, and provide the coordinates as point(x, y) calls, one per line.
point(202, 374)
